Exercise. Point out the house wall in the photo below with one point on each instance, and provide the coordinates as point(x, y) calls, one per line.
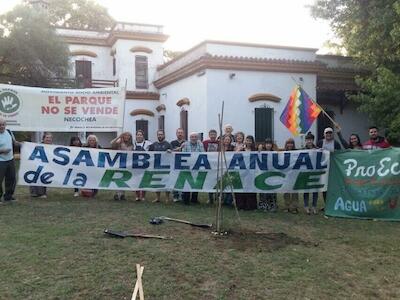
point(130, 121)
point(101, 65)
point(351, 121)
point(126, 62)
point(194, 88)
point(235, 92)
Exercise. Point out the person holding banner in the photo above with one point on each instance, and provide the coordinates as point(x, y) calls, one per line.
point(75, 141)
point(7, 164)
point(268, 201)
point(354, 140)
point(160, 145)
point(291, 199)
point(41, 191)
point(330, 144)
point(239, 144)
point(227, 146)
point(247, 201)
point(140, 144)
point(177, 147)
point(123, 142)
point(211, 145)
point(91, 142)
point(309, 139)
point(194, 145)
point(375, 140)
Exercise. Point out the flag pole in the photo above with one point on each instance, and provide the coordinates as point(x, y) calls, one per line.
point(319, 106)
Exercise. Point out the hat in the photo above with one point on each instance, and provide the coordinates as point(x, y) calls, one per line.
point(328, 129)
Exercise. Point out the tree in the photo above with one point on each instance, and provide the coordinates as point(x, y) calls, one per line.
point(81, 14)
point(369, 31)
point(171, 54)
point(31, 53)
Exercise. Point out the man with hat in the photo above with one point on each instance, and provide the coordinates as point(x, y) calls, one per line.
point(328, 142)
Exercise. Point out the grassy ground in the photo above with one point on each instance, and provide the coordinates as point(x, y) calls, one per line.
point(55, 249)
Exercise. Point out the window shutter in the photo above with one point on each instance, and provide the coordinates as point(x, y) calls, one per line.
point(161, 122)
point(264, 121)
point(141, 72)
point(144, 126)
point(184, 122)
point(83, 71)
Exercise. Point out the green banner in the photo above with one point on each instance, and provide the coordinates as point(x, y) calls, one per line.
point(365, 184)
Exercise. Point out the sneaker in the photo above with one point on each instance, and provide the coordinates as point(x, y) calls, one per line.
point(143, 199)
point(43, 196)
point(137, 199)
point(177, 200)
point(122, 197)
point(116, 197)
point(76, 194)
point(314, 211)
point(307, 210)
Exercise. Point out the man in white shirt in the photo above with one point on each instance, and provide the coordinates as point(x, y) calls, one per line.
point(7, 165)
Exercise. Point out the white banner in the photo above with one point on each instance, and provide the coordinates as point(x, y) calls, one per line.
point(263, 172)
point(39, 109)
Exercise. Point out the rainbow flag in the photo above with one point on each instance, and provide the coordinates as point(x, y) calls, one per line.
point(300, 112)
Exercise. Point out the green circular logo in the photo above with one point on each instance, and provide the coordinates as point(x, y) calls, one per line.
point(9, 103)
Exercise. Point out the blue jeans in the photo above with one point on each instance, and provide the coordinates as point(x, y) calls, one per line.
point(314, 199)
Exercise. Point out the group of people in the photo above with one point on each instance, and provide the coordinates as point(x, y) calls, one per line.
point(229, 141)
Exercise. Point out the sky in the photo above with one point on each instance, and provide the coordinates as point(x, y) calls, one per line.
point(188, 22)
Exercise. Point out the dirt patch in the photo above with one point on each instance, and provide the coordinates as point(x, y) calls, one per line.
point(261, 241)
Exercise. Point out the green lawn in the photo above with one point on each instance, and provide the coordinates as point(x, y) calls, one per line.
point(55, 249)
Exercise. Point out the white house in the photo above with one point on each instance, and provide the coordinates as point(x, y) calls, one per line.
point(254, 81)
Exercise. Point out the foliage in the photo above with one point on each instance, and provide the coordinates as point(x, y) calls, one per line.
point(171, 54)
point(81, 14)
point(31, 53)
point(370, 32)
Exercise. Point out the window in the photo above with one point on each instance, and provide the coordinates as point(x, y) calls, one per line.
point(144, 126)
point(161, 122)
point(141, 72)
point(114, 66)
point(264, 122)
point(83, 73)
point(184, 122)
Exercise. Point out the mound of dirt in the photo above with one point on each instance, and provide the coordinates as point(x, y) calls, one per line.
point(262, 241)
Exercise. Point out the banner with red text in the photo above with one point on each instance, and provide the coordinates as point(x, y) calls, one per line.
point(39, 109)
